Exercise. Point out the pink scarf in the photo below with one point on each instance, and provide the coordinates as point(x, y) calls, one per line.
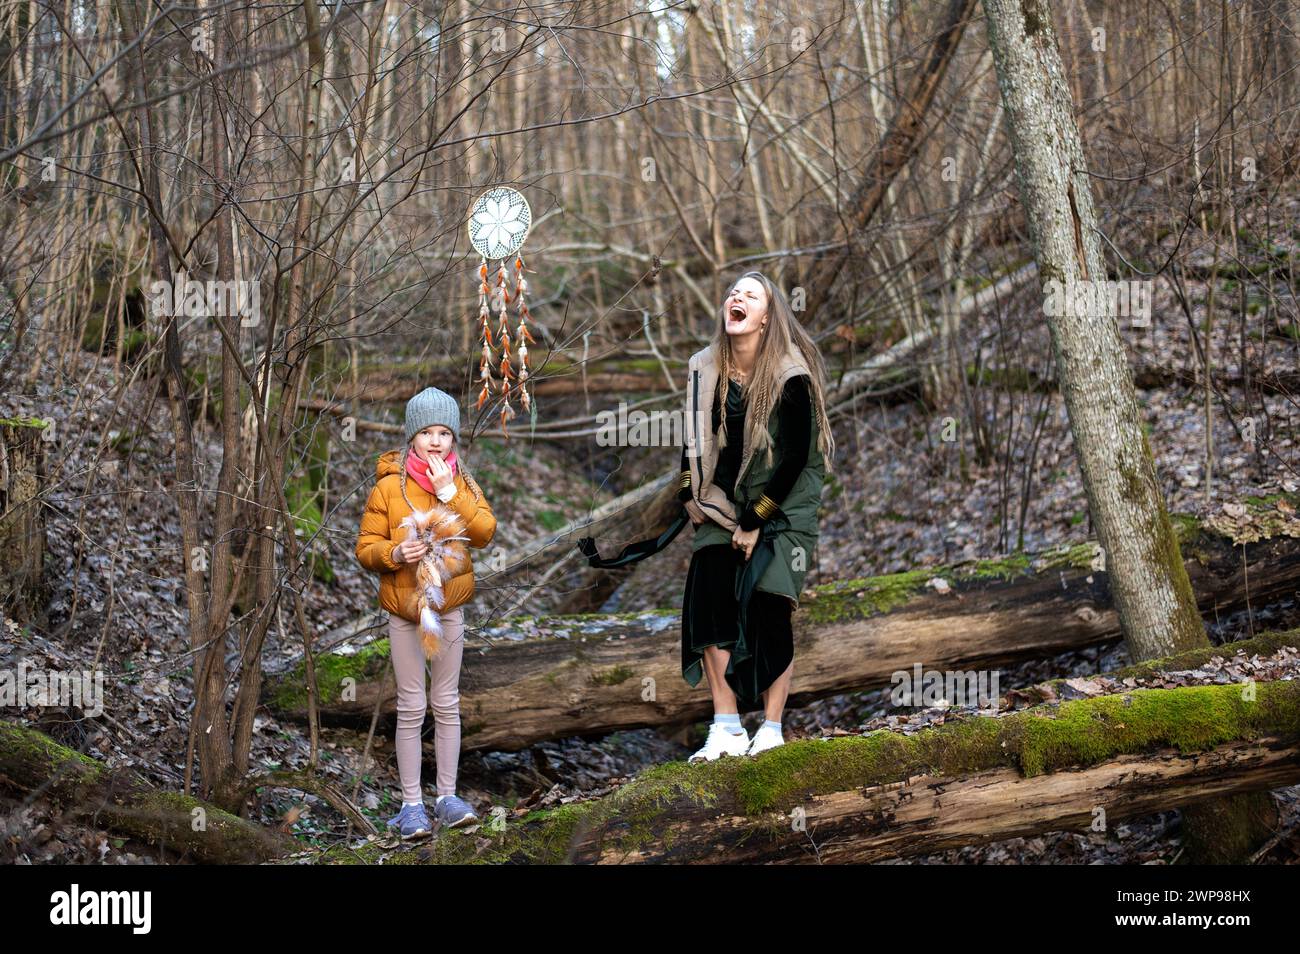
point(419, 470)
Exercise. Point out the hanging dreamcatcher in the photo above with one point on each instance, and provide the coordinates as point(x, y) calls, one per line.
point(498, 224)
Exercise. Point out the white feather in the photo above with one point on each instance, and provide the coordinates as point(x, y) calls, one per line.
point(431, 622)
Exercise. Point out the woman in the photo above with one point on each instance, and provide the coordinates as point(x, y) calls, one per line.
point(751, 481)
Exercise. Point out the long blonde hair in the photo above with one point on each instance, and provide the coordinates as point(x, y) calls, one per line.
point(784, 332)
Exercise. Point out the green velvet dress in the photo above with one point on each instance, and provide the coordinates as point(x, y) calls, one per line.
point(752, 623)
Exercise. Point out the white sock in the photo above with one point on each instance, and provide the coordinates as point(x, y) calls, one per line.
point(438, 799)
point(769, 724)
point(731, 720)
point(412, 804)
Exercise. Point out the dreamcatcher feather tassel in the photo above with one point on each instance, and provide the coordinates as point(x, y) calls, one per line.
point(524, 335)
point(447, 557)
point(485, 329)
point(498, 224)
point(503, 335)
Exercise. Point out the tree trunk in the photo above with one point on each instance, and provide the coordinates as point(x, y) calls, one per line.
point(1081, 767)
point(599, 674)
point(1149, 584)
point(22, 519)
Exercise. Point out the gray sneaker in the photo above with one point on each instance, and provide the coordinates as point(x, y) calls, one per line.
point(453, 812)
point(412, 821)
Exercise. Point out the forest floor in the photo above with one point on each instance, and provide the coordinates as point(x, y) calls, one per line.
point(900, 498)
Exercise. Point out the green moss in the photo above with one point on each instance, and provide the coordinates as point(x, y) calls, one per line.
point(1265, 644)
point(135, 341)
point(1078, 556)
point(22, 745)
point(862, 598)
point(1271, 500)
point(845, 600)
point(1191, 535)
point(552, 520)
point(1039, 740)
point(611, 677)
point(34, 760)
point(23, 422)
point(785, 776)
point(178, 808)
point(1191, 719)
point(289, 693)
point(1006, 568)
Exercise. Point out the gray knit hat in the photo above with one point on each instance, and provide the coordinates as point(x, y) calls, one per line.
point(430, 407)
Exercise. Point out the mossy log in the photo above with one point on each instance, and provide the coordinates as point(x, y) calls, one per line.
point(554, 375)
point(588, 674)
point(1077, 766)
point(117, 799)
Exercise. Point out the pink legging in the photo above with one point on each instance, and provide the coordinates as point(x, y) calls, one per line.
point(409, 664)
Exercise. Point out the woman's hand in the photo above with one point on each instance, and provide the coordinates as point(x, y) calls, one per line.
point(697, 515)
point(409, 550)
point(745, 540)
point(440, 472)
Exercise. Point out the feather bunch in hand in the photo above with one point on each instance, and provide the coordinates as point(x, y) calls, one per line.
point(448, 555)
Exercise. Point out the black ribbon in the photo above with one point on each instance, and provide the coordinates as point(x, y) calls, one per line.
point(633, 552)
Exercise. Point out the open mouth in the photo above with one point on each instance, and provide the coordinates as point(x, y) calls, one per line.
point(737, 312)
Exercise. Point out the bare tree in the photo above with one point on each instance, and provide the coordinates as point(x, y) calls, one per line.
point(1148, 580)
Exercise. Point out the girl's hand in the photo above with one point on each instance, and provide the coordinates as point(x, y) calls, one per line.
point(745, 540)
point(440, 471)
point(409, 550)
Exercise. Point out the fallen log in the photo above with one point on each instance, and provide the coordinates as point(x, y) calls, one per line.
point(575, 675)
point(119, 800)
point(887, 795)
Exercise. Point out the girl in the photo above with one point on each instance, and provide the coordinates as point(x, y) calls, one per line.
point(752, 492)
point(423, 513)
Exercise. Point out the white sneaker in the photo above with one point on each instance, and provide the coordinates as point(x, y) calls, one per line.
point(721, 742)
point(764, 739)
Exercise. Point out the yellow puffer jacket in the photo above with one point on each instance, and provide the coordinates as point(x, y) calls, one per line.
point(381, 532)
